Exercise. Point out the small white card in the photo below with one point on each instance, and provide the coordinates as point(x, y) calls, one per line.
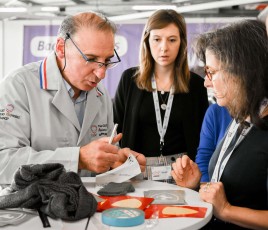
point(124, 172)
point(161, 172)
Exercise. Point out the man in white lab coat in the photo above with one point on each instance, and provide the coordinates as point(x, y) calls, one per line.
point(57, 110)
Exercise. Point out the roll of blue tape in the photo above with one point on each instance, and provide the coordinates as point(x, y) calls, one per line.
point(123, 217)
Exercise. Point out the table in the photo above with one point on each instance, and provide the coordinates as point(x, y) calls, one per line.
point(191, 197)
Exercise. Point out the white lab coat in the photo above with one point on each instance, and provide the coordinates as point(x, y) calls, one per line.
point(39, 125)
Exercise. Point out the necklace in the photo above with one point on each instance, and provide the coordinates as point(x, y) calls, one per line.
point(162, 91)
point(163, 88)
point(164, 101)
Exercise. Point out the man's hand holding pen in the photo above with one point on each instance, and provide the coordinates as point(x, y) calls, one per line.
point(124, 153)
point(101, 155)
point(98, 156)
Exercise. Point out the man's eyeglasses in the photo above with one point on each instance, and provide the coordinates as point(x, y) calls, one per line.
point(107, 65)
point(209, 73)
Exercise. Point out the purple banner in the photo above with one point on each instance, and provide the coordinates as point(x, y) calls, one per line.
point(127, 44)
point(40, 40)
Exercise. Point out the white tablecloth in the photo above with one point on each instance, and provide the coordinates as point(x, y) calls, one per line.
point(191, 197)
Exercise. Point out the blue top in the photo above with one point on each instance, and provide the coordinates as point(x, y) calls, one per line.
point(215, 122)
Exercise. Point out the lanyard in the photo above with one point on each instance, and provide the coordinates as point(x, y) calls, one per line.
point(220, 165)
point(161, 128)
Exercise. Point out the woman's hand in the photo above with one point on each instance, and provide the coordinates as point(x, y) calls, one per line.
point(186, 173)
point(214, 193)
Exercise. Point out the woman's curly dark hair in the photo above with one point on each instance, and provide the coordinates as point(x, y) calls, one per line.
point(242, 50)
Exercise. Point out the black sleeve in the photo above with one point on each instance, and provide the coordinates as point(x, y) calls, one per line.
point(121, 97)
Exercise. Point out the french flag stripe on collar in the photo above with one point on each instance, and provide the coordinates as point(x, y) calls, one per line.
point(99, 93)
point(43, 74)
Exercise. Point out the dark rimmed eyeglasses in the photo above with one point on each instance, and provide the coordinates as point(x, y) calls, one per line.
point(210, 73)
point(108, 65)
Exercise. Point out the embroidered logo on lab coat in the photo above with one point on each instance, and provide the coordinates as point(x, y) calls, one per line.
point(93, 129)
point(9, 108)
point(7, 112)
point(100, 130)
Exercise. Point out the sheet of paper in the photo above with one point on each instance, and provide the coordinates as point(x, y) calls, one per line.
point(124, 172)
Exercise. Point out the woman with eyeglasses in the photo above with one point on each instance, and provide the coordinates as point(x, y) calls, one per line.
point(159, 106)
point(236, 58)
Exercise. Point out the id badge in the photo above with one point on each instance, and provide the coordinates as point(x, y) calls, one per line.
point(161, 172)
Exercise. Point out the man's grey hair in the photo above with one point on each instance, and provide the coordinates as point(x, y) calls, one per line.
point(72, 23)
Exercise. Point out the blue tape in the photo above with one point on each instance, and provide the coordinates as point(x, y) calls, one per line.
point(123, 217)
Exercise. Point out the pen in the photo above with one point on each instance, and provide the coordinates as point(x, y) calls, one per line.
point(113, 134)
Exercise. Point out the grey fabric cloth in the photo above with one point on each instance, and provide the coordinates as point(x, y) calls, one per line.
point(116, 189)
point(28, 174)
point(48, 187)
